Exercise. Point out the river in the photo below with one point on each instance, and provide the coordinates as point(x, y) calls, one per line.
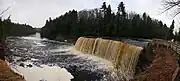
point(46, 60)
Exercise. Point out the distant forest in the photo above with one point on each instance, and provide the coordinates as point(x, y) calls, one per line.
point(8, 28)
point(103, 22)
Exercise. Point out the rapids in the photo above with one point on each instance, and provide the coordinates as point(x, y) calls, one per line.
point(47, 60)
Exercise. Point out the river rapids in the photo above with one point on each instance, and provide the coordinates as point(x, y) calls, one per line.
point(39, 59)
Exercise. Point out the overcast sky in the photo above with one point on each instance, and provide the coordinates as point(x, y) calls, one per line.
point(35, 12)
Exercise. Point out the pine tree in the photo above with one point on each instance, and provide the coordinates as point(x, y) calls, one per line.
point(171, 35)
point(104, 7)
point(102, 22)
point(121, 10)
point(144, 16)
point(109, 11)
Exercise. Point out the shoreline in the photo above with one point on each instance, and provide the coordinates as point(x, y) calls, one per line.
point(6, 73)
point(148, 74)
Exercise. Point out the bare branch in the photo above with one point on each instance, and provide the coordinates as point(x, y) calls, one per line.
point(5, 11)
point(170, 5)
point(177, 13)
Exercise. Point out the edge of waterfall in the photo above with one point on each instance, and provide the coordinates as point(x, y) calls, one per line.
point(123, 56)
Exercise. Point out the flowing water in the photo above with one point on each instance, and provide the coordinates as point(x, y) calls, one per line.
point(123, 56)
point(46, 60)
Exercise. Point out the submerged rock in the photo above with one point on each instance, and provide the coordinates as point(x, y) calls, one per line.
point(22, 65)
point(29, 65)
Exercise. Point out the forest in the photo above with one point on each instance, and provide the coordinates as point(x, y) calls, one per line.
point(103, 22)
point(8, 28)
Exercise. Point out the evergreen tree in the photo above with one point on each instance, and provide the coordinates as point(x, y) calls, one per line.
point(171, 35)
point(144, 16)
point(104, 7)
point(102, 21)
point(50, 19)
point(121, 10)
point(109, 11)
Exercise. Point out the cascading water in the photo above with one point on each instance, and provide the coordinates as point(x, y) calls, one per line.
point(48, 60)
point(123, 56)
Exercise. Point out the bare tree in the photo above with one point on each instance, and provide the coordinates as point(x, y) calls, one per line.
point(1, 14)
point(172, 7)
point(5, 10)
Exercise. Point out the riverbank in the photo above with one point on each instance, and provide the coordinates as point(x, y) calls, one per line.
point(6, 73)
point(163, 68)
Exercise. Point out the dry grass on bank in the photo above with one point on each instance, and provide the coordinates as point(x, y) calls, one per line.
point(6, 74)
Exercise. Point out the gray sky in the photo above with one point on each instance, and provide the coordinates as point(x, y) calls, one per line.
point(35, 12)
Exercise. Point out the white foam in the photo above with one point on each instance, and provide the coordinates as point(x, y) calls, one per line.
point(46, 73)
point(33, 38)
point(39, 44)
point(103, 63)
point(60, 49)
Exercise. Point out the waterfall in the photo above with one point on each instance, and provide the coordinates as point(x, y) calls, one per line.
point(123, 56)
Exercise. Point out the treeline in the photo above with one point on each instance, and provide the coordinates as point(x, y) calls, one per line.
point(21, 30)
point(8, 28)
point(103, 22)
